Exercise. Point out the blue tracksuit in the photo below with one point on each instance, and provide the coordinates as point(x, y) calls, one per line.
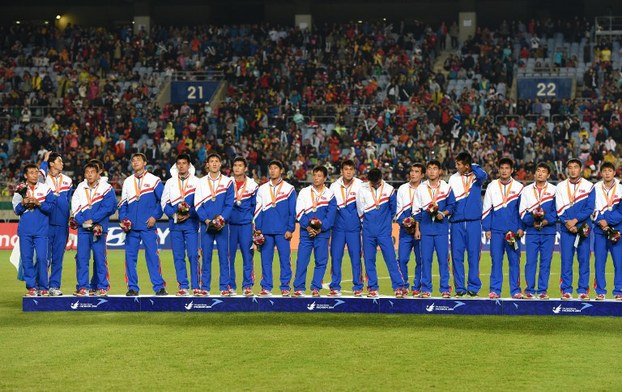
point(138, 210)
point(33, 231)
point(538, 242)
point(241, 233)
point(96, 204)
point(376, 209)
point(466, 227)
point(499, 217)
point(346, 232)
point(611, 211)
point(61, 188)
point(210, 203)
point(275, 214)
point(324, 209)
point(574, 201)
point(434, 233)
point(184, 235)
point(407, 241)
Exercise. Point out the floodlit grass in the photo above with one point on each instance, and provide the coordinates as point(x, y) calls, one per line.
point(292, 352)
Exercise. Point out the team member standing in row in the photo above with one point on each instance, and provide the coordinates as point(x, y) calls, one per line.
point(183, 223)
point(213, 201)
point(92, 204)
point(539, 215)
point(346, 230)
point(139, 210)
point(315, 211)
point(575, 202)
point(376, 205)
point(503, 227)
point(241, 226)
point(275, 217)
point(466, 223)
point(407, 242)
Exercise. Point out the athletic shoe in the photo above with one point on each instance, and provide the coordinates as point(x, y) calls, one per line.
point(131, 293)
point(518, 296)
point(372, 294)
point(162, 292)
point(183, 293)
point(233, 293)
point(618, 297)
point(600, 297)
point(31, 293)
point(357, 293)
point(54, 292)
point(529, 296)
point(472, 294)
point(460, 294)
point(265, 293)
point(584, 297)
point(201, 293)
point(445, 294)
point(543, 296)
point(44, 293)
point(493, 295)
point(566, 296)
point(334, 293)
point(248, 292)
point(285, 293)
point(102, 292)
point(298, 294)
point(92, 292)
point(416, 293)
point(315, 293)
point(81, 293)
point(225, 293)
point(398, 293)
point(425, 294)
point(405, 292)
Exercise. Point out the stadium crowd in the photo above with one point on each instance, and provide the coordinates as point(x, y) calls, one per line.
point(362, 91)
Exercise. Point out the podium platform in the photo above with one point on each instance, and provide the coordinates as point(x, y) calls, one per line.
point(386, 305)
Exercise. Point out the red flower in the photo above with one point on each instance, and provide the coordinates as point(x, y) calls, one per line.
point(538, 214)
point(126, 225)
point(511, 239)
point(183, 208)
point(216, 224)
point(433, 211)
point(584, 231)
point(613, 235)
point(98, 230)
point(73, 224)
point(21, 189)
point(409, 224)
point(258, 238)
point(315, 223)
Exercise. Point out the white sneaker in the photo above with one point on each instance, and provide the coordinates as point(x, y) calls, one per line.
point(54, 292)
point(232, 293)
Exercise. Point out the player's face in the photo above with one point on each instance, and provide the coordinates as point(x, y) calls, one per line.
point(239, 168)
point(57, 164)
point(32, 175)
point(348, 172)
point(214, 165)
point(505, 171)
point(415, 174)
point(183, 166)
point(574, 170)
point(542, 174)
point(318, 179)
point(433, 172)
point(462, 168)
point(275, 172)
point(608, 174)
point(91, 175)
point(138, 164)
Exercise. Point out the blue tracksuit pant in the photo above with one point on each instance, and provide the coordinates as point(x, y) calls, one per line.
point(242, 236)
point(207, 246)
point(385, 242)
point(602, 248)
point(83, 258)
point(499, 247)
point(429, 244)
point(132, 245)
point(538, 245)
point(35, 274)
point(466, 236)
point(338, 243)
point(267, 255)
point(57, 240)
point(567, 255)
point(186, 242)
point(319, 246)
point(407, 244)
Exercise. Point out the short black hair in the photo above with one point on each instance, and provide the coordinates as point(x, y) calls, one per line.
point(348, 162)
point(53, 156)
point(240, 159)
point(322, 169)
point(183, 156)
point(435, 162)
point(544, 166)
point(276, 162)
point(465, 158)
point(139, 154)
point(574, 160)
point(374, 175)
point(30, 166)
point(93, 165)
point(100, 164)
point(506, 161)
point(606, 165)
point(419, 165)
point(213, 155)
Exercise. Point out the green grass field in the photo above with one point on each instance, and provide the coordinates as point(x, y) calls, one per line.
point(293, 352)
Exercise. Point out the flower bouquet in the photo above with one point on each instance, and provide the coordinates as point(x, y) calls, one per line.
point(433, 211)
point(512, 239)
point(216, 224)
point(409, 224)
point(126, 225)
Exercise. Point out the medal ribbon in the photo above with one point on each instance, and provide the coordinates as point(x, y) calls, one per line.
point(574, 194)
point(182, 186)
point(376, 196)
point(274, 191)
point(57, 184)
point(433, 192)
point(468, 183)
point(238, 195)
point(213, 189)
point(505, 192)
point(90, 196)
point(345, 191)
point(537, 192)
point(138, 185)
point(315, 200)
point(613, 194)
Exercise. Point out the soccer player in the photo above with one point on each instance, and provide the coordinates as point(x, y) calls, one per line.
point(346, 230)
point(34, 204)
point(241, 226)
point(92, 204)
point(101, 179)
point(503, 227)
point(61, 187)
point(575, 203)
point(213, 201)
point(539, 215)
point(376, 206)
point(607, 216)
point(139, 209)
point(315, 211)
point(275, 217)
point(466, 223)
point(407, 242)
point(434, 203)
point(183, 222)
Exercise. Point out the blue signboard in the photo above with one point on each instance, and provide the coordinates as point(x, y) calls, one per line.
point(193, 92)
point(544, 88)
